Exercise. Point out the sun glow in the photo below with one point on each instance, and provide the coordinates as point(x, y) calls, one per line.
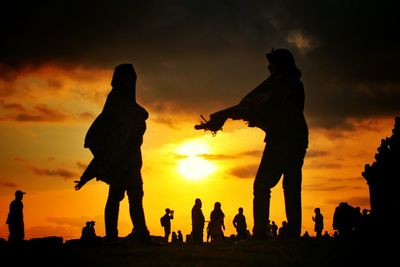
point(193, 166)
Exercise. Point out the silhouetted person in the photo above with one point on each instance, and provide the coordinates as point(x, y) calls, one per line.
point(269, 230)
point(15, 218)
point(318, 222)
point(239, 222)
point(343, 219)
point(306, 235)
point(86, 231)
point(275, 106)
point(326, 235)
point(174, 237)
point(92, 231)
point(366, 226)
point(180, 236)
point(166, 222)
point(197, 222)
point(115, 139)
point(274, 229)
point(217, 225)
point(282, 231)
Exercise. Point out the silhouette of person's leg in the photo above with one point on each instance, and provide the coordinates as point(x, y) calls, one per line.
point(115, 194)
point(135, 197)
point(292, 187)
point(268, 175)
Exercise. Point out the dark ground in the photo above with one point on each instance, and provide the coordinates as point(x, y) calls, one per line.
point(308, 253)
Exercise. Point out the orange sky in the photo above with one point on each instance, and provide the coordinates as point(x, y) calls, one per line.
point(46, 111)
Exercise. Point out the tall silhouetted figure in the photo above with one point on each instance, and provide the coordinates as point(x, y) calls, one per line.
point(217, 225)
point(275, 106)
point(239, 222)
point(15, 218)
point(318, 220)
point(115, 139)
point(344, 220)
point(197, 222)
point(166, 222)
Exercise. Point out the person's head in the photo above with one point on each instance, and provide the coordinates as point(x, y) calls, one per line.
point(282, 61)
point(88, 223)
point(167, 211)
point(19, 194)
point(197, 202)
point(92, 223)
point(240, 210)
point(217, 205)
point(124, 79)
point(317, 210)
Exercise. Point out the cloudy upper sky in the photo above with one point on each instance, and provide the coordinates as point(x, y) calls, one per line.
point(187, 51)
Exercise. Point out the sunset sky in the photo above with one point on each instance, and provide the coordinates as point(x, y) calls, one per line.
point(191, 58)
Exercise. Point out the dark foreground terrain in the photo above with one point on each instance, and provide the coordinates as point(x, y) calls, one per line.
point(248, 253)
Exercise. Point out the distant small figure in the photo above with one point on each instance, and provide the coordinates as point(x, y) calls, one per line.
point(166, 223)
point(239, 222)
point(344, 219)
point(274, 229)
point(366, 228)
point(318, 222)
point(283, 230)
point(15, 218)
point(306, 235)
point(180, 236)
point(217, 225)
point(197, 222)
point(174, 237)
point(326, 235)
point(88, 232)
point(85, 232)
point(92, 231)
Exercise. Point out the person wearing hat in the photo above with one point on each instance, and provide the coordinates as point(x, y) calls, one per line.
point(15, 218)
point(276, 106)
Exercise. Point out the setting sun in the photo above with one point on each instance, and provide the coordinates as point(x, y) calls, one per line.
point(193, 166)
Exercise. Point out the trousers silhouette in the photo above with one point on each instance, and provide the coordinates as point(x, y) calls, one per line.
point(135, 197)
point(281, 158)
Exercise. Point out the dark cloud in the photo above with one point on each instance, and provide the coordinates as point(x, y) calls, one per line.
point(60, 172)
point(198, 56)
point(313, 153)
point(8, 184)
point(244, 172)
point(39, 113)
point(326, 187)
point(75, 222)
point(322, 165)
point(217, 156)
point(81, 165)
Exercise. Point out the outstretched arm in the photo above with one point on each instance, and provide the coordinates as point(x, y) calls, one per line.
point(218, 119)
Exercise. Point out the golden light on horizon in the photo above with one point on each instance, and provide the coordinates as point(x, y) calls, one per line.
point(193, 166)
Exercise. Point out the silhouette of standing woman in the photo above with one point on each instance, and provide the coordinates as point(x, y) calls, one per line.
point(115, 139)
point(275, 106)
point(15, 218)
point(217, 225)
